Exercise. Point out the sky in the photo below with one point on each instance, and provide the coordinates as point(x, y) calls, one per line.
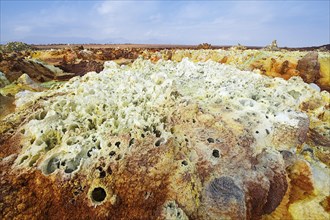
point(252, 23)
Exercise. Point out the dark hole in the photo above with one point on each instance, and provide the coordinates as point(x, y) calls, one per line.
point(98, 194)
point(266, 116)
point(102, 174)
point(257, 132)
point(23, 159)
point(267, 131)
point(216, 153)
point(112, 153)
point(158, 142)
point(109, 170)
point(117, 144)
point(227, 107)
point(194, 121)
point(68, 170)
point(89, 153)
point(131, 142)
point(185, 163)
point(210, 140)
point(142, 135)
point(186, 140)
point(63, 163)
point(158, 133)
point(32, 140)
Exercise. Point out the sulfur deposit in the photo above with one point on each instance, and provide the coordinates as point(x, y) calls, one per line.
point(167, 140)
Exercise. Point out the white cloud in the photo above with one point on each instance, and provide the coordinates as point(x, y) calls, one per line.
point(22, 29)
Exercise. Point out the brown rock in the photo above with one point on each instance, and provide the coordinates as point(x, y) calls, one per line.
point(309, 67)
point(7, 105)
point(14, 68)
point(82, 67)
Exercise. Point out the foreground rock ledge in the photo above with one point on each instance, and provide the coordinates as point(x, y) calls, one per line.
point(163, 141)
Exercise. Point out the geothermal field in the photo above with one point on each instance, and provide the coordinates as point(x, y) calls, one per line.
point(164, 132)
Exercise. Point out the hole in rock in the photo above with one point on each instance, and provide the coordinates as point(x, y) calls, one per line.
point(98, 194)
point(184, 163)
point(158, 142)
point(23, 159)
point(216, 153)
point(89, 153)
point(267, 131)
point(117, 144)
point(112, 153)
point(102, 174)
point(94, 139)
point(72, 165)
point(158, 133)
point(210, 140)
point(33, 160)
point(52, 165)
point(131, 142)
point(68, 170)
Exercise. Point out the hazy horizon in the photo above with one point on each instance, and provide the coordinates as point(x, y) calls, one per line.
point(252, 23)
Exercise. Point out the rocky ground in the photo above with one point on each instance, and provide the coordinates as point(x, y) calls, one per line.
point(164, 132)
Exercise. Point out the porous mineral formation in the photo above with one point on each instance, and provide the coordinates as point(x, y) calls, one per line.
point(166, 140)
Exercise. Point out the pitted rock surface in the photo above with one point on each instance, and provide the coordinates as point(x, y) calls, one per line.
point(154, 141)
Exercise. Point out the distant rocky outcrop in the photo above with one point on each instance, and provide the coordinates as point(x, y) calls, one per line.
point(272, 47)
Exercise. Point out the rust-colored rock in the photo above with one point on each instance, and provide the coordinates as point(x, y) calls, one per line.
point(81, 68)
point(309, 67)
point(13, 68)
